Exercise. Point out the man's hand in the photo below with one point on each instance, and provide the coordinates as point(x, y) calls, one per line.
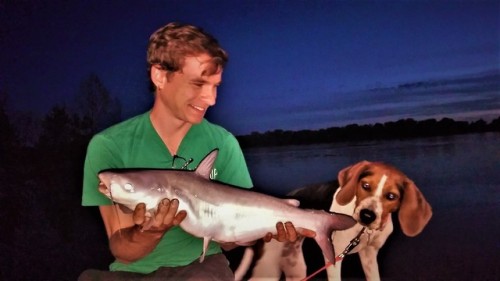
point(163, 219)
point(286, 232)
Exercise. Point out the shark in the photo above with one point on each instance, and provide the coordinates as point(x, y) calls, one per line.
point(215, 210)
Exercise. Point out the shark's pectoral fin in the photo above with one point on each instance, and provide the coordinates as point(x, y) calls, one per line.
point(292, 202)
point(206, 241)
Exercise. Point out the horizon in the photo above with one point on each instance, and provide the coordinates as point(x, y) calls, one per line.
point(442, 82)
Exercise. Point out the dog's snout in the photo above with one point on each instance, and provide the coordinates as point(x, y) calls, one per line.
point(367, 216)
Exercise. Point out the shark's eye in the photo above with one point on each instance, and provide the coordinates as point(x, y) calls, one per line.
point(128, 187)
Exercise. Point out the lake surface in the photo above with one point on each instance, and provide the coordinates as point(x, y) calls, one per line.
point(450, 170)
point(458, 175)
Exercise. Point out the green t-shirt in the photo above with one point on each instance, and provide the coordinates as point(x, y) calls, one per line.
point(134, 143)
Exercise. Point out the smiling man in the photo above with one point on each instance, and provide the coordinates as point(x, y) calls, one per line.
point(185, 66)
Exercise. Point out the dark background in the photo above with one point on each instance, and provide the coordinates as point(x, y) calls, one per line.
point(299, 72)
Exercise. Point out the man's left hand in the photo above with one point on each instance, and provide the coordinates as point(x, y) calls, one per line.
point(286, 232)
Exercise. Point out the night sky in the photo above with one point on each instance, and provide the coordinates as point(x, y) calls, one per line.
point(293, 64)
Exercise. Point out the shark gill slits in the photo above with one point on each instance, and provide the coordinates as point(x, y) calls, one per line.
point(209, 212)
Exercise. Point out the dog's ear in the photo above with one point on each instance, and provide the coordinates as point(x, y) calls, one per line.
point(348, 181)
point(415, 212)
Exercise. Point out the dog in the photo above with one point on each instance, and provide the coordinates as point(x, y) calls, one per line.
point(368, 191)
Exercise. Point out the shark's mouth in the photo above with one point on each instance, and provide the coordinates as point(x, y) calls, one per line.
point(104, 189)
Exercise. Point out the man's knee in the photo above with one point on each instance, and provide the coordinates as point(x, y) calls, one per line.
point(90, 275)
point(104, 275)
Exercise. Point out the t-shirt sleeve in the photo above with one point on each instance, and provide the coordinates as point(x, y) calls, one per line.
point(231, 165)
point(101, 155)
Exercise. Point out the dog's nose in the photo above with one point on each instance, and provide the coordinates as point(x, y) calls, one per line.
point(366, 216)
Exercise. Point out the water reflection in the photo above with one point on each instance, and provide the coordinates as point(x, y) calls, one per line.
point(450, 170)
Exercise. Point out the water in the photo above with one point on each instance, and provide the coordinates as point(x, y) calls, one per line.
point(458, 175)
point(450, 170)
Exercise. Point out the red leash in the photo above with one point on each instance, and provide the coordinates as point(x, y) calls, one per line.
point(354, 242)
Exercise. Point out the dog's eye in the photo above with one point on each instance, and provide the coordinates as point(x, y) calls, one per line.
point(391, 196)
point(365, 186)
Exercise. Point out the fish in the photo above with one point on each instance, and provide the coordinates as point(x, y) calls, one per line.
point(215, 210)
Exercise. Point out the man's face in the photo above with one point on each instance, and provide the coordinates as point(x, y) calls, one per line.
point(189, 93)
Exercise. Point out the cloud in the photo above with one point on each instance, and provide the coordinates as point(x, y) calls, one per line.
point(461, 97)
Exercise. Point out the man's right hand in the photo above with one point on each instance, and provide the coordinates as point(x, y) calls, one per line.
point(132, 236)
point(163, 219)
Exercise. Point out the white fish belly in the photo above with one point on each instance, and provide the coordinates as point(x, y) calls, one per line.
point(235, 223)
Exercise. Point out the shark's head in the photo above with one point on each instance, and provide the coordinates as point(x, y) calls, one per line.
point(130, 187)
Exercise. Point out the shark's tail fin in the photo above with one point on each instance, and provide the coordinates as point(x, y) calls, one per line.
point(324, 237)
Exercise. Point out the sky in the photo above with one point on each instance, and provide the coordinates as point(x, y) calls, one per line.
point(293, 64)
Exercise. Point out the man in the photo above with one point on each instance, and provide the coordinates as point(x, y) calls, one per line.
point(185, 66)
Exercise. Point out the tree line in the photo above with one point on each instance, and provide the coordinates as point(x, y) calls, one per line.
point(401, 129)
point(47, 235)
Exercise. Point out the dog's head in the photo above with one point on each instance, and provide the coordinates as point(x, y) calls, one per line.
point(379, 190)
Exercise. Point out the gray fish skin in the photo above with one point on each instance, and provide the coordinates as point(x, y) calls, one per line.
point(216, 211)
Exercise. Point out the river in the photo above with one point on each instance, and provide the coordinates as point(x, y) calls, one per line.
point(459, 176)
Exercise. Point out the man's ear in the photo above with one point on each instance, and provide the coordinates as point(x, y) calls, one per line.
point(158, 76)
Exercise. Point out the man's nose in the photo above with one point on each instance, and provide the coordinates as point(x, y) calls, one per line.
point(209, 96)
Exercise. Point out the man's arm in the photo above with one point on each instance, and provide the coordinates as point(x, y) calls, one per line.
point(128, 241)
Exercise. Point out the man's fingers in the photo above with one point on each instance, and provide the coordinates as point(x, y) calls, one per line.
point(287, 232)
point(169, 215)
point(291, 234)
point(161, 212)
point(280, 232)
point(268, 237)
point(165, 216)
point(139, 215)
point(179, 217)
point(306, 232)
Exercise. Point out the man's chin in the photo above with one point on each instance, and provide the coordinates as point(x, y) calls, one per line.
point(195, 121)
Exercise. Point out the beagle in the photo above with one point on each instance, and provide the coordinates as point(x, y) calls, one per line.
point(370, 192)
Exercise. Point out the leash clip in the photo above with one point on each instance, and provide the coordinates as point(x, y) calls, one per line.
point(354, 242)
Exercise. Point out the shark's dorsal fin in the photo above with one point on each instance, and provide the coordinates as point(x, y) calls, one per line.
point(206, 165)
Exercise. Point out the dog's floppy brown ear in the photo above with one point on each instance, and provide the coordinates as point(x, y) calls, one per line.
point(415, 212)
point(348, 181)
